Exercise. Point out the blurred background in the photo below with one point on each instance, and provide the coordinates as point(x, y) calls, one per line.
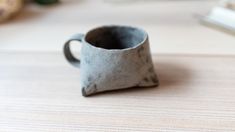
point(173, 25)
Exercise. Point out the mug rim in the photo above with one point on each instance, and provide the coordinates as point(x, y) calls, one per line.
point(113, 26)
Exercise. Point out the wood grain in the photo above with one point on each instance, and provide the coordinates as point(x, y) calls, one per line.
point(40, 92)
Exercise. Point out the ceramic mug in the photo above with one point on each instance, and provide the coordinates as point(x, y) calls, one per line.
point(113, 57)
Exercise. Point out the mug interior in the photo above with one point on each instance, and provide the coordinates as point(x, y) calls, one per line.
point(116, 37)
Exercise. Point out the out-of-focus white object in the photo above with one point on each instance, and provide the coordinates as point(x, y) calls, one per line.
point(222, 17)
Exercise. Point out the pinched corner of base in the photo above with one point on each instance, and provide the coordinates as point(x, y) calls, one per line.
point(157, 84)
point(84, 92)
point(151, 82)
point(90, 90)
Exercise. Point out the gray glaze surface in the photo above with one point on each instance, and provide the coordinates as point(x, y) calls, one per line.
point(113, 57)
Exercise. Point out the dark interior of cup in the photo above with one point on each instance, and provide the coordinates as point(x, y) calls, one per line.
point(115, 37)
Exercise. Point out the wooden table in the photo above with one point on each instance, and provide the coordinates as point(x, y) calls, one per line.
point(40, 92)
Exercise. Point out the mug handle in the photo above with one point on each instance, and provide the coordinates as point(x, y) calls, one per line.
point(67, 52)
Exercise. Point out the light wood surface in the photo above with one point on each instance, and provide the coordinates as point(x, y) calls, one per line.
point(40, 92)
point(173, 25)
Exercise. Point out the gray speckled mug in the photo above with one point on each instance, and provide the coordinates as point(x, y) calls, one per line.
point(113, 57)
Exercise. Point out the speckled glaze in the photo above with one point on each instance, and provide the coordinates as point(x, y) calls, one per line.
point(113, 57)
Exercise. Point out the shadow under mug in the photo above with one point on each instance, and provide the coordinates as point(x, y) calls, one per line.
point(113, 57)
